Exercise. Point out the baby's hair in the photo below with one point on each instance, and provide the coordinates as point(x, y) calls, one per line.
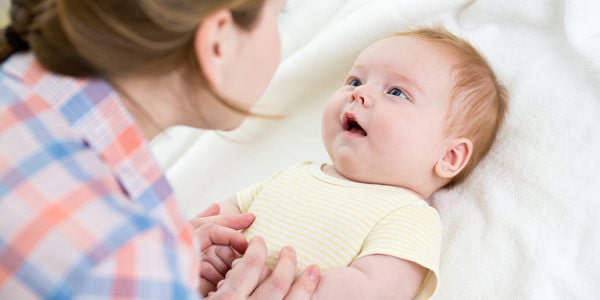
point(478, 100)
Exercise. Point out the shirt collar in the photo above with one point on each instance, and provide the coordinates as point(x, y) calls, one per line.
point(98, 114)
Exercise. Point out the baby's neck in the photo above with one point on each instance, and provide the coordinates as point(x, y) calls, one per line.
point(333, 172)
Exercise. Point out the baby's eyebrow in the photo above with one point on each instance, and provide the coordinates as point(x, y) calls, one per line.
point(407, 81)
point(358, 71)
point(359, 68)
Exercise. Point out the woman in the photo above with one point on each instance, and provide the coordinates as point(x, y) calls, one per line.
point(85, 209)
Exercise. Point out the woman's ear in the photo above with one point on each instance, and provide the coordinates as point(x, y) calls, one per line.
point(215, 40)
point(455, 158)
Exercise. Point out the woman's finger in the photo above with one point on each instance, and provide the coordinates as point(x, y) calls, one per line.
point(245, 276)
point(278, 283)
point(265, 274)
point(305, 286)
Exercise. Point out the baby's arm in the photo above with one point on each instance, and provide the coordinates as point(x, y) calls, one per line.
point(372, 277)
point(229, 206)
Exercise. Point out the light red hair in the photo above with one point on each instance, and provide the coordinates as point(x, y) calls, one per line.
point(478, 101)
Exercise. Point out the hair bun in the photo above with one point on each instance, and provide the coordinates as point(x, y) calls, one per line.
point(14, 40)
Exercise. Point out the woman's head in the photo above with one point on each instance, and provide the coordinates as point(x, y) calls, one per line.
point(108, 37)
point(114, 39)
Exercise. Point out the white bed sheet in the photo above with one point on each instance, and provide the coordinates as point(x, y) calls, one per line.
point(526, 224)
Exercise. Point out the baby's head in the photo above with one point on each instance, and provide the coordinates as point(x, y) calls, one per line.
point(418, 110)
point(478, 101)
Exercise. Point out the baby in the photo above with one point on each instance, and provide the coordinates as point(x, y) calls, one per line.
point(417, 112)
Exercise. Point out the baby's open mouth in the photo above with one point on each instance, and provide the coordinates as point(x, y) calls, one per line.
point(351, 125)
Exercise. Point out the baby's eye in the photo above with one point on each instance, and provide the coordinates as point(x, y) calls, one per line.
point(353, 82)
point(397, 92)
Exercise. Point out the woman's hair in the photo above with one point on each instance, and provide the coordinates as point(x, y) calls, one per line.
point(478, 100)
point(107, 38)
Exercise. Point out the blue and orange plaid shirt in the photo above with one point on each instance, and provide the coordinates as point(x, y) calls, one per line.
point(85, 210)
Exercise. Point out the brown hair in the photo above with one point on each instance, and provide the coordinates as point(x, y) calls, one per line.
point(106, 38)
point(478, 100)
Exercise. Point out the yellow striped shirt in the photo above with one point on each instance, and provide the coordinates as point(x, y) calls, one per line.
point(331, 222)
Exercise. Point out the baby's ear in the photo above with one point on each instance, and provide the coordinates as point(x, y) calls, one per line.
point(455, 158)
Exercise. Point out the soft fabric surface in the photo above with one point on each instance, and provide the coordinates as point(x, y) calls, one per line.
point(526, 224)
point(4, 12)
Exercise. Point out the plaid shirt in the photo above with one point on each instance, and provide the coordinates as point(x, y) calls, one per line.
point(85, 211)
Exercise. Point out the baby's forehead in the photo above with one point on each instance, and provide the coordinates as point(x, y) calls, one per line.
point(407, 50)
point(406, 45)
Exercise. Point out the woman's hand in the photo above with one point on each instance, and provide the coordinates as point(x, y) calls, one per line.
point(220, 243)
point(250, 278)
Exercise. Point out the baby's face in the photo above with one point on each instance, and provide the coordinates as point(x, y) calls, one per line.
point(386, 123)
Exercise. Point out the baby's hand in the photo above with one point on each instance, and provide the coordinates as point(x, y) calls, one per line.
point(216, 262)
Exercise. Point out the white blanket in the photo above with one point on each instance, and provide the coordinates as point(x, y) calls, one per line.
point(526, 224)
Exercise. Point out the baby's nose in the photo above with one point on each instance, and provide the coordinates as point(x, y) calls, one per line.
point(363, 95)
